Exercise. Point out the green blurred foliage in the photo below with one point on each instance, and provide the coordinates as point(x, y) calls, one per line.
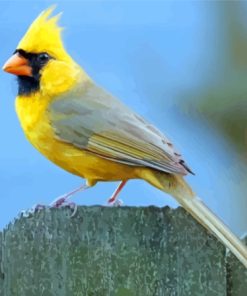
point(224, 103)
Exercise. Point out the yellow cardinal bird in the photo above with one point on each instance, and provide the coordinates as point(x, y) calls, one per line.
point(88, 132)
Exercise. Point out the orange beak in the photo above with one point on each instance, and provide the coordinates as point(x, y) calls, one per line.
point(18, 65)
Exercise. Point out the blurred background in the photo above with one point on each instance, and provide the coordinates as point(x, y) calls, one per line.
point(181, 64)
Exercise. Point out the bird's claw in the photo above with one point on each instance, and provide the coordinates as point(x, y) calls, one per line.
point(63, 202)
point(57, 204)
point(73, 207)
point(115, 203)
point(34, 209)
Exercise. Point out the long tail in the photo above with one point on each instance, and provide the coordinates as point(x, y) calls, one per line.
point(178, 188)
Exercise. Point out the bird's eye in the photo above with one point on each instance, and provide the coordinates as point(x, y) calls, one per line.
point(43, 58)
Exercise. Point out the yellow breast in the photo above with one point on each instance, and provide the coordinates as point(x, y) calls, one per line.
point(34, 119)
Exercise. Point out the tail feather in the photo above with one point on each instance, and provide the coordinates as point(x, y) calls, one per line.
point(178, 188)
point(210, 221)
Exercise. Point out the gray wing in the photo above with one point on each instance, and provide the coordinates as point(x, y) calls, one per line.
point(89, 118)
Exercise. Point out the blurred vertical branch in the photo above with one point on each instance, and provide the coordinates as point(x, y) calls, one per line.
point(225, 103)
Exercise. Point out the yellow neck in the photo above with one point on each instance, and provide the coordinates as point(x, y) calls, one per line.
point(32, 108)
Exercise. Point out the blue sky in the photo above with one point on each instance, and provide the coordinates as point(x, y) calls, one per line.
point(150, 54)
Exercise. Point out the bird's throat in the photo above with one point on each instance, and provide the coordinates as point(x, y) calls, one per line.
point(27, 85)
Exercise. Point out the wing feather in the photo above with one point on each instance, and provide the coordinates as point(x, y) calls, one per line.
point(89, 118)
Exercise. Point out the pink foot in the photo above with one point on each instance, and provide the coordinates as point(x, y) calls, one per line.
point(117, 203)
point(62, 201)
point(58, 202)
point(113, 200)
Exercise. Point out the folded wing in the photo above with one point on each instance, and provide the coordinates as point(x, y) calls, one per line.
point(90, 118)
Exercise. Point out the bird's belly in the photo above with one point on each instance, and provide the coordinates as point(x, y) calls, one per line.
point(74, 160)
point(37, 128)
point(82, 163)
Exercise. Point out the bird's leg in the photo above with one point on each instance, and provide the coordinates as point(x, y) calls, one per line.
point(60, 201)
point(114, 198)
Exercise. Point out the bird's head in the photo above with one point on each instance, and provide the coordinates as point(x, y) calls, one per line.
point(40, 60)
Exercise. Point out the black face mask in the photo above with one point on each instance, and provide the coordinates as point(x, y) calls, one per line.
point(30, 84)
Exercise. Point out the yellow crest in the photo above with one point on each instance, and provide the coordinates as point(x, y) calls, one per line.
point(44, 35)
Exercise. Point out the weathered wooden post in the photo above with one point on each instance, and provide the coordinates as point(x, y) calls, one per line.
point(236, 276)
point(102, 251)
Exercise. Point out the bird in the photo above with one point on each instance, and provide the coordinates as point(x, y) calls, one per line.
point(88, 132)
